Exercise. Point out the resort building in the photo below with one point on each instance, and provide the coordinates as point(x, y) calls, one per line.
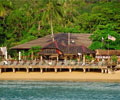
point(107, 54)
point(66, 46)
point(66, 52)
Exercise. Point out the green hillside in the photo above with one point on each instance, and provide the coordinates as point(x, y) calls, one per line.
point(25, 20)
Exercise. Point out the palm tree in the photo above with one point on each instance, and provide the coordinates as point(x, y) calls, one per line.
point(52, 10)
point(5, 6)
point(70, 12)
point(2, 10)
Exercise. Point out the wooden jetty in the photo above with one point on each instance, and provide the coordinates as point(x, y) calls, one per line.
point(103, 69)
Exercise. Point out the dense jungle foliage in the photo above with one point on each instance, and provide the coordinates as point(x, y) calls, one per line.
point(25, 20)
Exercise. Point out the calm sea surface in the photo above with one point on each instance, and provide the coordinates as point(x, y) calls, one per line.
point(28, 90)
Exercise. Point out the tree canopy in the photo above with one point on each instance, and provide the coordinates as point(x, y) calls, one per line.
point(25, 20)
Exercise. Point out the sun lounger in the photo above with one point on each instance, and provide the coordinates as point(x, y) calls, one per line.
point(100, 63)
point(73, 63)
point(40, 63)
point(27, 63)
point(14, 63)
point(34, 63)
point(66, 63)
point(79, 63)
point(21, 63)
point(53, 63)
point(9, 62)
point(59, 63)
point(2, 63)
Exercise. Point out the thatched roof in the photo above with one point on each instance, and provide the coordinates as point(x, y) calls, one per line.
point(66, 49)
point(107, 52)
point(75, 39)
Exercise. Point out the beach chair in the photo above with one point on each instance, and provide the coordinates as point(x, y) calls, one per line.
point(59, 63)
point(66, 63)
point(79, 63)
point(53, 63)
point(9, 63)
point(14, 63)
point(2, 63)
point(34, 63)
point(100, 63)
point(21, 63)
point(73, 63)
point(40, 63)
point(27, 63)
point(93, 64)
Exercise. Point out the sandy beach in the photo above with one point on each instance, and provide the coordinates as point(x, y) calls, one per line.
point(61, 76)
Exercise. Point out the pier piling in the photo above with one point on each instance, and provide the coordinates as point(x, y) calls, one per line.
point(13, 70)
point(0, 70)
point(56, 70)
point(84, 70)
point(102, 70)
point(41, 70)
point(70, 70)
point(27, 70)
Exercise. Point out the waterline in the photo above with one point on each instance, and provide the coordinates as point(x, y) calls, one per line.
point(35, 90)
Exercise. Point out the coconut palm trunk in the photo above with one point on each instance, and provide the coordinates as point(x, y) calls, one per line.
point(52, 34)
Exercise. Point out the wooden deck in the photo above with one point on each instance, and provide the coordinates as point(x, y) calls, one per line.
point(103, 69)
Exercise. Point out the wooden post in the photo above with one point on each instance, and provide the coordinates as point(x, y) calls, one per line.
point(106, 70)
point(84, 70)
point(56, 70)
point(65, 58)
point(102, 70)
point(27, 70)
point(41, 58)
point(83, 58)
point(0, 70)
point(110, 71)
point(70, 70)
point(41, 70)
point(13, 70)
point(57, 58)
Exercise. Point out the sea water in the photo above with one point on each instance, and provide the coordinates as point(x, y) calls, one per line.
point(36, 90)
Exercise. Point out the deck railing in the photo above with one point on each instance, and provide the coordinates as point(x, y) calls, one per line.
point(70, 65)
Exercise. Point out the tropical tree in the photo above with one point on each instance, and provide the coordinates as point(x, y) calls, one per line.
point(52, 10)
point(100, 38)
